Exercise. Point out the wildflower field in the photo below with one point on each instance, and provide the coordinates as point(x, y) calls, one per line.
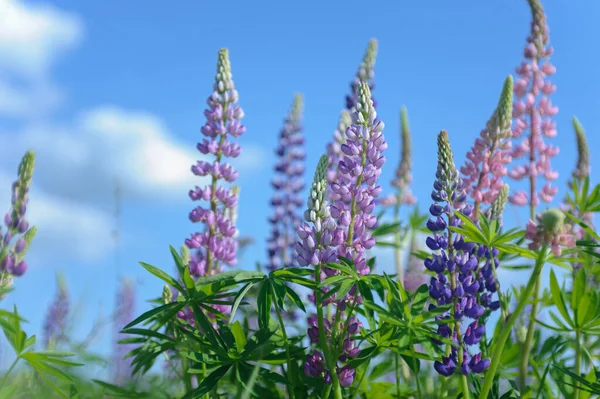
point(321, 314)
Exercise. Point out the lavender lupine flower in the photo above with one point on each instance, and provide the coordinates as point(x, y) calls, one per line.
point(17, 227)
point(550, 230)
point(55, 322)
point(365, 73)
point(125, 313)
point(533, 111)
point(486, 161)
point(288, 184)
point(455, 262)
point(216, 245)
point(356, 189)
point(403, 178)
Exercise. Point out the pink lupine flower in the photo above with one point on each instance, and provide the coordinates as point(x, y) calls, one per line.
point(550, 230)
point(533, 111)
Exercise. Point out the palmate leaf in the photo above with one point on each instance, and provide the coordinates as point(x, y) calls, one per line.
point(163, 276)
point(559, 299)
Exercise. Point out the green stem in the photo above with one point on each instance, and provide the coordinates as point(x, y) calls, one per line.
point(465, 386)
point(187, 382)
point(12, 366)
point(526, 351)
point(506, 329)
point(337, 390)
point(287, 349)
point(398, 391)
point(419, 393)
point(577, 361)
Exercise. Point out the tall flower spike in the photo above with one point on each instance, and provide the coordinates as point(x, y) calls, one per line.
point(403, 177)
point(366, 73)
point(533, 111)
point(355, 191)
point(17, 227)
point(582, 169)
point(55, 323)
point(216, 245)
point(496, 210)
point(288, 185)
point(486, 161)
point(125, 313)
point(458, 281)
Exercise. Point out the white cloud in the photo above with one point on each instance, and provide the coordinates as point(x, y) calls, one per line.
point(32, 36)
point(65, 228)
point(81, 161)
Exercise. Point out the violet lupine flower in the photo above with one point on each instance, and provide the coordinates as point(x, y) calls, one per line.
point(288, 184)
point(17, 227)
point(125, 313)
point(486, 161)
point(533, 111)
point(403, 178)
point(356, 189)
point(317, 239)
point(365, 73)
point(216, 245)
point(55, 323)
point(458, 280)
point(550, 230)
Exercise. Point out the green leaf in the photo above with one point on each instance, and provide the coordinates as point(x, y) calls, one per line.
point(295, 298)
point(559, 299)
point(153, 312)
point(188, 280)
point(239, 335)
point(264, 301)
point(163, 276)
point(208, 383)
point(238, 300)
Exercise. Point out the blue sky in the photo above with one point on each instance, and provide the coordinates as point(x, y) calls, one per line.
point(105, 90)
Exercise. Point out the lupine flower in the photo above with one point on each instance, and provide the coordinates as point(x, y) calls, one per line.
point(458, 281)
point(288, 184)
point(17, 232)
point(403, 177)
point(216, 245)
point(125, 313)
point(550, 230)
point(486, 161)
point(496, 210)
point(582, 169)
point(365, 73)
point(55, 322)
point(356, 189)
point(533, 111)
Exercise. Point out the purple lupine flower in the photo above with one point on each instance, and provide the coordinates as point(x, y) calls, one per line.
point(365, 73)
point(458, 280)
point(216, 245)
point(345, 225)
point(288, 184)
point(55, 322)
point(356, 189)
point(533, 111)
point(486, 161)
point(124, 314)
point(17, 232)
